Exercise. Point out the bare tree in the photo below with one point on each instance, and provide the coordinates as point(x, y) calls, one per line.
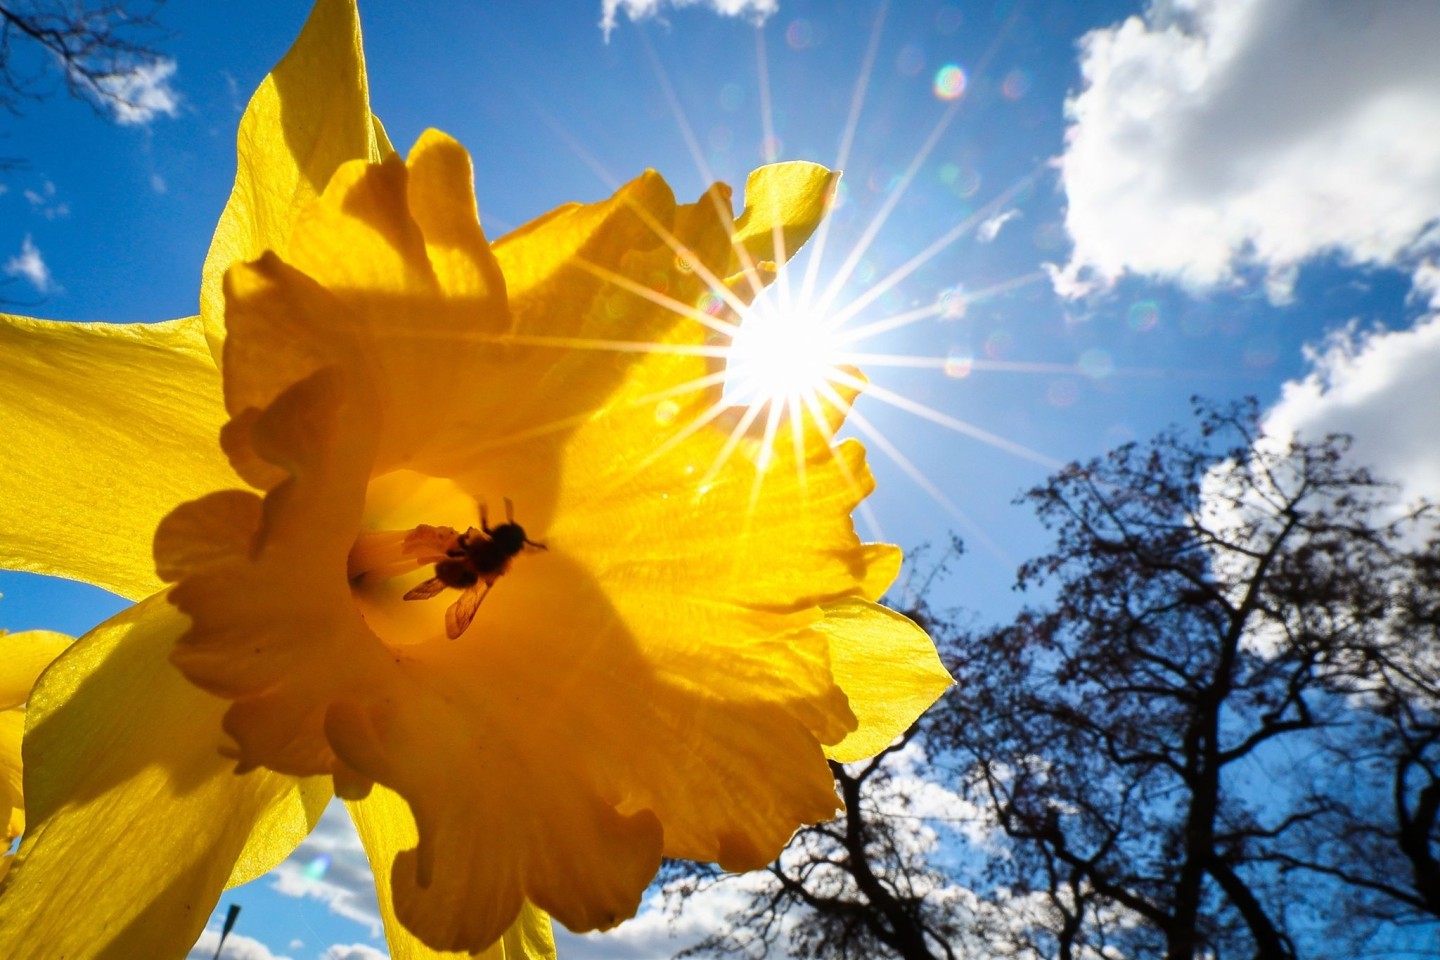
point(101, 52)
point(1381, 842)
point(852, 889)
point(1215, 733)
point(1198, 703)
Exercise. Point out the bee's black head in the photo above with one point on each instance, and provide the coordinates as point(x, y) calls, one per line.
point(509, 537)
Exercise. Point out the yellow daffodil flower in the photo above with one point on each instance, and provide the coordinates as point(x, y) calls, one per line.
point(677, 627)
point(22, 657)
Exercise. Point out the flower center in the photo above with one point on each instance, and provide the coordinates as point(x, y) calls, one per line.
point(396, 559)
point(469, 562)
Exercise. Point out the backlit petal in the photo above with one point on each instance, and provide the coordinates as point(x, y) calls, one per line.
point(411, 315)
point(784, 203)
point(882, 566)
point(387, 828)
point(22, 657)
point(310, 115)
point(279, 829)
point(241, 559)
point(657, 679)
point(887, 666)
point(558, 258)
point(12, 796)
point(103, 429)
point(123, 754)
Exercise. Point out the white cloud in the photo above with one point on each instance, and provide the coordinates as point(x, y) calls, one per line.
point(143, 92)
point(653, 932)
point(1381, 388)
point(1376, 386)
point(1214, 137)
point(353, 951)
point(330, 866)
point(757, 10)
point(43, 202)
point(237, 947)
point(158, 184)
point(990, 229)
point(1425, 283)
point(30, 265)
point(296, 944)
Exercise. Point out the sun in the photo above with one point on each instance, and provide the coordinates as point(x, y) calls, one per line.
point(782, 356)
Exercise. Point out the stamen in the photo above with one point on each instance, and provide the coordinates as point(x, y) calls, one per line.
point(379, 554)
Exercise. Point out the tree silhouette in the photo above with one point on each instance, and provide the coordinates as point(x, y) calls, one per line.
point(1196, 710)
point(1215, 732)
point(99, 51)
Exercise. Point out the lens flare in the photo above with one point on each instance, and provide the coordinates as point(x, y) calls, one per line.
point(950, 303)
point(781, 355)
point(959, 363)
point(315, 870)
point(950, 82)
point(1015, 85)
point(800, 35)
point(1096, 364)
point(1144, 316)
point(732, 97)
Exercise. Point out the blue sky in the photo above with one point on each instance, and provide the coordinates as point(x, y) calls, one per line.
point(1117, 207)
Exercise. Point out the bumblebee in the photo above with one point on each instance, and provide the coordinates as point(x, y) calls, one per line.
point(472, 564)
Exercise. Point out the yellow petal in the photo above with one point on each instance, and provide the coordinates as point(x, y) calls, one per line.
point(238, 558)
point(571, 256)
point(784, 203)
point(135, 819)
point(888, 668)
point(442, 721)
point(280, 828)
point(382, 139)
point(589, 286)
point(441, 197)
point(390, 275)
point(652, 683)
point(882, 566)
point(22, 657)
point(504, 812)
point(12, 797)
point(310, 115)
point(103, 429)
point(387, 828)
point(732, 525)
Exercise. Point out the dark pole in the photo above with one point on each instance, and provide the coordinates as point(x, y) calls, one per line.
point(230, 917)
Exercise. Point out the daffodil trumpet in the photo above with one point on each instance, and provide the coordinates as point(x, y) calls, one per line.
point(668, 676)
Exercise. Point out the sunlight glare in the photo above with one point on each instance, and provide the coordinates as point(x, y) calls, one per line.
point(780, 355)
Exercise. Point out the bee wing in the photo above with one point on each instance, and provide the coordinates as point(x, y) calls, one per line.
point(462, 611)
point(426, 590)
point(426, 541)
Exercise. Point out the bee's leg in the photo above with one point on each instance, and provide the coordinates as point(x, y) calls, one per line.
point(509, 510)
point(485, 517)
